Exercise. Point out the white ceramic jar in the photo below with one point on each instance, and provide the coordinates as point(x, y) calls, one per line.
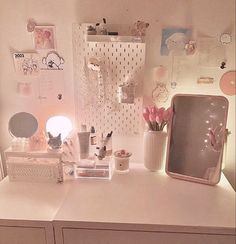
point(154, 149)
point(121, 158)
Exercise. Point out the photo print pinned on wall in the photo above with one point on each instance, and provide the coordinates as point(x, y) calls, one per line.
point(24, 88)
point(44, 37)
point(26, 63)
point(174, 40)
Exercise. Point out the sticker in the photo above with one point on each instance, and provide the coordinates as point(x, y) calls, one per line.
point(225, 38)
point(173, 84)
point(205, 80)
point(227, 83)
point(53, 61)
point(160, 93)
point(190, 48)
point(31, 25)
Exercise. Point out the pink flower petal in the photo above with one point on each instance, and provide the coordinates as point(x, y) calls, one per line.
point(152, 117)
point(160, 113)
point(146, 116)
point(158, 119)
point(153, 110)
point(146, 111)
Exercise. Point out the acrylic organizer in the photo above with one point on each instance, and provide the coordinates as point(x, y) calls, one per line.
point(97, 169)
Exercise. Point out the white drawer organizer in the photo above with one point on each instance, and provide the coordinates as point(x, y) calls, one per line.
point(123, 58)
point(34, 166)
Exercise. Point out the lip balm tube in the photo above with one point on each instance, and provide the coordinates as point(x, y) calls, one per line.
point(84, 144)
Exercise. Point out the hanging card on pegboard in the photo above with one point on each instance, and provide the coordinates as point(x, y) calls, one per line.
point(104, 68)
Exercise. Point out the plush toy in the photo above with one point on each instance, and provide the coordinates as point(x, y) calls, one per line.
point(139, 28)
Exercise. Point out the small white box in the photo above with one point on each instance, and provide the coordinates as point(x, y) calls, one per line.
point(34, 166)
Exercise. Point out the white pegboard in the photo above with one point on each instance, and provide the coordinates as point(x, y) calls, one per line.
point(120, 59)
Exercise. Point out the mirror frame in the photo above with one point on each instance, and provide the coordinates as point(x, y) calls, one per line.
point(186, 177)
point(25, 135)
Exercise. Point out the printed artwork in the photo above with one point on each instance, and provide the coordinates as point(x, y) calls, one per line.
point(53, 61)
point(44, 37)
point(174, 40)
point(26, 63)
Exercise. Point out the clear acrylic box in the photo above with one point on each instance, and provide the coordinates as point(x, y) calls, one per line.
point(100, 169)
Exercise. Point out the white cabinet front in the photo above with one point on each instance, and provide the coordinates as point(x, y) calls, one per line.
point(22, 235)
point(89, 236)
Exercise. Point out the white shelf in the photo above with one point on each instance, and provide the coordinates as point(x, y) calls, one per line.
point(110, 38)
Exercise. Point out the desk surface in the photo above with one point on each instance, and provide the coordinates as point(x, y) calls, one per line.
point(142, 198)
point(30, 201)
point(150, 198)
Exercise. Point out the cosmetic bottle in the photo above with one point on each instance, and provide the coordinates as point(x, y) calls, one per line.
point(93, 139)
point(107, 141)
point(84, 141)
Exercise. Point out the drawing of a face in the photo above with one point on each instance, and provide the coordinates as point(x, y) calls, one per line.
point(160, 93)
point(53, 60)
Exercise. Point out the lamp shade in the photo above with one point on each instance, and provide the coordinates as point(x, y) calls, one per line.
point(59, 124)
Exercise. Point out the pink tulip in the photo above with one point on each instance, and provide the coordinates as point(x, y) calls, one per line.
point(146, 114)
point(146, 110)
point(153, 110)
point(160, 113)
point(167, 114)
point(158, 120)
point(146, 117)
point(152, 117)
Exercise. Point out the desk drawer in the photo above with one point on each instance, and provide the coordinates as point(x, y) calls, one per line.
point(22, 235)
point(89, 236)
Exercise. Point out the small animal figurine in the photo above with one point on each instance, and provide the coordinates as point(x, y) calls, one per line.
point(101, 152)
point(139, 28)
point(54, 142)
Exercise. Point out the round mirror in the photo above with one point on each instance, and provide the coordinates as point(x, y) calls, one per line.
point(22, 125)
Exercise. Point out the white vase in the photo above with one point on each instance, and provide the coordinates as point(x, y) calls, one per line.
point(154, 149)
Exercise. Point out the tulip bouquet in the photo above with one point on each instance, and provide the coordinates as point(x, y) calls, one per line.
point(157, 118)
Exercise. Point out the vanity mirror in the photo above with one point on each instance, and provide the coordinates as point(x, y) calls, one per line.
point(196, 138)
point(22, 125)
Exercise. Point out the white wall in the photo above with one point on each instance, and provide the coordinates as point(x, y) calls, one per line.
point(207, 17)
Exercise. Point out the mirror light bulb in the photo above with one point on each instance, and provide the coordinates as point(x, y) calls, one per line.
point(59, 124)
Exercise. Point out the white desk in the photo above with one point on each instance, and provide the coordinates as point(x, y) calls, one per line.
point(139, 207)
point(27, 211)
point(143, 207)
